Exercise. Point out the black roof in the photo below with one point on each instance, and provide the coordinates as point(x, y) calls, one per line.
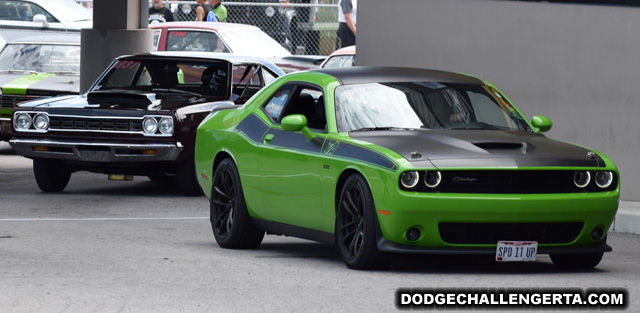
point(40, 36)
point(376, 74)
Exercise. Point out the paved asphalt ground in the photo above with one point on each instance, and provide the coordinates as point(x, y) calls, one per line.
point(141, 246)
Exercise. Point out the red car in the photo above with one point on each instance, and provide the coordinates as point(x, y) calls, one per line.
point(344, 57)
point(228, 38)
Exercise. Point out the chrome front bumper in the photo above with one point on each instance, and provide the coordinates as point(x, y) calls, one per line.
point(96, 152)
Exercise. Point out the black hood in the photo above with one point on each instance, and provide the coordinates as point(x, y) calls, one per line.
point(480, 148)
point(122, 99)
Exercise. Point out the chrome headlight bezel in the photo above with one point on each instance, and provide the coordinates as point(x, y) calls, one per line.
point(166, 126)
point(150, 125)
point(28, 121)
point(41, 122)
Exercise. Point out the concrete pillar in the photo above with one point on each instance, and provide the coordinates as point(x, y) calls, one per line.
point(119, 27)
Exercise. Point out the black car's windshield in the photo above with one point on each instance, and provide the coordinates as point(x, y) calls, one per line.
point(424, 105)
point(42, 58)
point(207, 78)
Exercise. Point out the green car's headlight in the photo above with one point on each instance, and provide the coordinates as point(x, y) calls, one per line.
point(432, 178)
point(41, 121)
point(581, 178)
point(409, 179)
point(23, 121)
point(603, 179)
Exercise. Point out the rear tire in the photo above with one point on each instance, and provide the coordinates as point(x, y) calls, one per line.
point(577, 261)
point(231, 224)
point(356, 226)
point(51, 175)
point(187, 180)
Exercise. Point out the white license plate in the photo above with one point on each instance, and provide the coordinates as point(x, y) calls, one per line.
point(516, 251)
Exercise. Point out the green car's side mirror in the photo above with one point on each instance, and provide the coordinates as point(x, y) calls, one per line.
point(297, 122)
point(541, 123)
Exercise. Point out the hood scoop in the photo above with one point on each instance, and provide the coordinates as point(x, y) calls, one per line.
point(123, 99)
point(501, 145)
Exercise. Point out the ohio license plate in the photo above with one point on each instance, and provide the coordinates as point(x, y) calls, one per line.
point(516, 251)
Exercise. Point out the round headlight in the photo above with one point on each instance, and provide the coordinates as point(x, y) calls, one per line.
point(41, 122)
point(581, 179)
point(166, 126)
point(150, 125)
point(604, 179)
point(23, 121)
point(432, 179)
point(409, 179)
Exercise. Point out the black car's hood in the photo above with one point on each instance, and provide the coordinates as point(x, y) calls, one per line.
point(479, 148)
point(122, 100)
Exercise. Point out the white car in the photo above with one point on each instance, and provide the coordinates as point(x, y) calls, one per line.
point(45, 14)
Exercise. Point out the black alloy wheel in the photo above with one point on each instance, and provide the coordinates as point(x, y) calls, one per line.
point(356, 225)
point(230, 221)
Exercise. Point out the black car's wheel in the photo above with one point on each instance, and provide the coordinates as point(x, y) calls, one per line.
point(230, 221)
point(51, 175)
point(187, 179)
point(356, 225)
point(577, 261)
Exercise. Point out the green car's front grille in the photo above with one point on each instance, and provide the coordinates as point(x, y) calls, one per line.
point(490, 233)
point(509, 182)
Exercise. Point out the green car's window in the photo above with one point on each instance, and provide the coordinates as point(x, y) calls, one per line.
point(424, 105)
point(274, 107)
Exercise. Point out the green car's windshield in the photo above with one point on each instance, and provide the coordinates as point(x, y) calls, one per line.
point(424, 105)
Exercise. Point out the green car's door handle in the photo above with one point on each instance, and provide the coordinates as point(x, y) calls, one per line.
point(268, 138)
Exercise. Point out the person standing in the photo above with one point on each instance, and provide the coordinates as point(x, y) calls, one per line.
point(347, 19)
point(202, 10)
point(218, 12)
point(158, 13)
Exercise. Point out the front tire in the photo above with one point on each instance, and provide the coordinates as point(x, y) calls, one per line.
point(577, 261)
point(187, 180)
point(356, 226)
point(51, 175)
point(230, 221)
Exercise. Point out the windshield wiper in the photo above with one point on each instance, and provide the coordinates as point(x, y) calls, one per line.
point(178, 91)
point(66, 73)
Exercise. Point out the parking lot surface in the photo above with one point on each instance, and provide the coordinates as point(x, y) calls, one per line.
point(141, 246)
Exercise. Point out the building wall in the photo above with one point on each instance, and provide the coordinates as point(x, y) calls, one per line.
point(576, 64)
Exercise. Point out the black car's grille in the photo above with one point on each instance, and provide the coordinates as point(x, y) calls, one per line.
point(509, 182)
point(9, 101)
point(95, 123)
point(491, 233)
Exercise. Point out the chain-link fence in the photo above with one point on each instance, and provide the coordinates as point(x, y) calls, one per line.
point(301, 26)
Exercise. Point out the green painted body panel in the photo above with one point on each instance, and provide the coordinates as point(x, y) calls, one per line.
point(19, 86)
point(302, 184)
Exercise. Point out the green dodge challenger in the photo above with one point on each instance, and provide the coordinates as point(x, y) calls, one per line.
point(381, 161)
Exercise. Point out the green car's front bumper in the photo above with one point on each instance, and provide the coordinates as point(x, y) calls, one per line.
point(474, 223)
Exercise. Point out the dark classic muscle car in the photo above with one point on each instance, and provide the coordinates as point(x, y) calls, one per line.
point(139, 118)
